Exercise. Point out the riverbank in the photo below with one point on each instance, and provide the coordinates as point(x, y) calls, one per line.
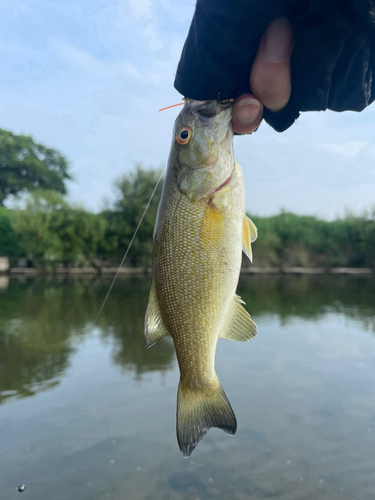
point(131, 271)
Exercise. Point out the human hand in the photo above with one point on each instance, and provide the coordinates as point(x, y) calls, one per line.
point(270, 78)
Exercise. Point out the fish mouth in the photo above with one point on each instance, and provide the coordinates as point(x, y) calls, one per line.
point(205, 109)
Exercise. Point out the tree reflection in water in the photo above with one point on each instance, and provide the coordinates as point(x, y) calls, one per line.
point(43, 322)
point(122, 321)
point(310, 296)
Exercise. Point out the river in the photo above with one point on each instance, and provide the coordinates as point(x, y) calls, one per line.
point(87, 413)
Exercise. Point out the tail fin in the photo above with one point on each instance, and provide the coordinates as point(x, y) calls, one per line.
point(198, 411)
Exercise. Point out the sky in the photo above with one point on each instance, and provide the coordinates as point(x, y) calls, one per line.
point(88, 77)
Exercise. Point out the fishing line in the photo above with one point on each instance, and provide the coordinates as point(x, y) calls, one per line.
point(120, 266)
point(135, 232)
point(22, 485)
point(173, 106)
point(127, 250)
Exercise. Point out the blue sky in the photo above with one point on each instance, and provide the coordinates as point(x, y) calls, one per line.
point(88, 78)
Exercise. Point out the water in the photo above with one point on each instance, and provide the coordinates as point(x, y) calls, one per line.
point(88, 413)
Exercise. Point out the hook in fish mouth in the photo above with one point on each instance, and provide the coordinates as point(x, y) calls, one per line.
point(207, 109)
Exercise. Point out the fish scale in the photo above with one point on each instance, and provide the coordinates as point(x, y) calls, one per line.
point(192, 310)
point(199, 234)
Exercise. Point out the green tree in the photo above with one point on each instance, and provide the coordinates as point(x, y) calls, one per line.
point(26, 166)
point(54, 232)
point(10, 241)
point(288, 239)
point(134, 191)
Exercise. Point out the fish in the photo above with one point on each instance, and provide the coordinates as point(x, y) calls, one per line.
point(200, 231)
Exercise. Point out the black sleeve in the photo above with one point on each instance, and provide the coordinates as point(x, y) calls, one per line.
point(332, 61)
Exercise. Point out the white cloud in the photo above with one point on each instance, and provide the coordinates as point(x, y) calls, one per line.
point(18, 8)
point(131, 71)
point(347, 149)
point(140, 9)
point(141, 16)
point(77, 56)
point(18, 49)
point(153, 38)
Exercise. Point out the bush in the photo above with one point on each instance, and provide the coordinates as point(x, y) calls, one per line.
point(54, 232)
point(292, 240)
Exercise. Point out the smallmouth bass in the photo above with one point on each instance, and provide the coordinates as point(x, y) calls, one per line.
point(200, 232)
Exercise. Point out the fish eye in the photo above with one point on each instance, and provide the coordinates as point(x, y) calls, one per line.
point(183, 135)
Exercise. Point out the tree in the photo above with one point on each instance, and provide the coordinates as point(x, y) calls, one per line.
point(134, 191)
point(54, 232)
point(10, 241)
point(26, 166)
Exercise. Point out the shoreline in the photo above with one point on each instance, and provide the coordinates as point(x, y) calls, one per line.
point(137, 271)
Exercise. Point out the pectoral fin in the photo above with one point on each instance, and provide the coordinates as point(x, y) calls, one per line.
point(241, 326)
point(154, 327)
point(249, 234)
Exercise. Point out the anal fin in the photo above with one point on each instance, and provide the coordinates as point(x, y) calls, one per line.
point(249, 235)
point(241, 326)
point(154, 328)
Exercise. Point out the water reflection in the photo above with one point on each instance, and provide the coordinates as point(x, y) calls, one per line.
point(4, 282)
point(43, 322)
point(26, 368)
point(34, 338)
point(122, 322)
point(303, 395)
point(310, 297)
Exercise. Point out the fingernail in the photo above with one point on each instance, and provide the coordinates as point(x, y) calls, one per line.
point(247, 110)
point(277, 41)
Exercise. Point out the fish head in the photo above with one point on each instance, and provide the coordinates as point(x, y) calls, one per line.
point(202, 147)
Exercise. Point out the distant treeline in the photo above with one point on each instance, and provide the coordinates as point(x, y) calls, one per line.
point(50, 232)
point(288, 239)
